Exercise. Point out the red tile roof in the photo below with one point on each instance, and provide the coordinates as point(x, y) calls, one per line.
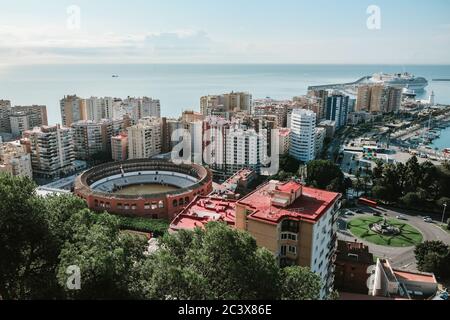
point(416, 277)
point(203, 210)
point(310, 206)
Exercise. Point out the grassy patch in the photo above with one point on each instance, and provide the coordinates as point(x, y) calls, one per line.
point(408, 237)
point(157, 227)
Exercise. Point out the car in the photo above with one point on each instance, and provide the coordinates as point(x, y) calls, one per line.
point(401, 217)
point(428, 220)
point(359, 211)
point(349, 213)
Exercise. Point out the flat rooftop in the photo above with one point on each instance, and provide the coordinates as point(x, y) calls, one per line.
point(415, 276)
point(204, 210)
point(310, 206)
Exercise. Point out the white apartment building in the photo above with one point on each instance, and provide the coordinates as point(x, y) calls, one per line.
point(245, 148)
point(99, 108)
point(52, 152)
point(19, 122)
point(15, 160)
point(144, 139)
point(303, 135)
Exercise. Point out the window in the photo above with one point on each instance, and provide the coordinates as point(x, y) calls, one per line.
point(290, 226)
point(161, 204)
point(289, 236)
point(154, 216)
point(292, 250)
point(175, 203)
point(147, 206)
point(154, 206)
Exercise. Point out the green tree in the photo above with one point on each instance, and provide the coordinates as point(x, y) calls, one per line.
point(300, 284)
point(105, 256)
point(433, 256)
point(325, 174)
point(27, 250)
point(216, 263)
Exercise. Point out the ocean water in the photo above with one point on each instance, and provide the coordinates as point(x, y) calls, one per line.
point(444, 140)
point(179, 87)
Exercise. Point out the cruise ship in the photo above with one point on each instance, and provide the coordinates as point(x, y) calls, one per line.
point(401, 80)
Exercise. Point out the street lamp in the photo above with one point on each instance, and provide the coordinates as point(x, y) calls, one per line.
point(443, 214)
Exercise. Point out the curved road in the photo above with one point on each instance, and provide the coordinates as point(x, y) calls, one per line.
point(403, 258)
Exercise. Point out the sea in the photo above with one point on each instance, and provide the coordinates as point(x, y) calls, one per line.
point(180, 86)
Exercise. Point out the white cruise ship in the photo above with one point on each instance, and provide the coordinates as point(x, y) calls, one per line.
point(401, 80)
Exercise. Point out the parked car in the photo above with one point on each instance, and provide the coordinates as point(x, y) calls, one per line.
point(428, 220)
point(401, 217)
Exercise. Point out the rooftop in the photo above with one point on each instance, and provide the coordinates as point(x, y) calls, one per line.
point(414, 276)
point(204, 210)
point(276, 200)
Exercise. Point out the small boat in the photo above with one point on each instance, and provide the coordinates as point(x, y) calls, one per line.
point(115, 75)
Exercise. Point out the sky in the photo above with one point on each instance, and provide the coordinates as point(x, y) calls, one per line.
point(225, 31)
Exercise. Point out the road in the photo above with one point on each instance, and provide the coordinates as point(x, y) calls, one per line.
point(402, 258)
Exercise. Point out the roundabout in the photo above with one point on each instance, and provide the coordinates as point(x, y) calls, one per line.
point(385, 232)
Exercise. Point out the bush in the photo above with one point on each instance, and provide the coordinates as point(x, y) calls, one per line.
point(157, 227)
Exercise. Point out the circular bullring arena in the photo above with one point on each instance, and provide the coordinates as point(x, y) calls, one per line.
point(145, 188)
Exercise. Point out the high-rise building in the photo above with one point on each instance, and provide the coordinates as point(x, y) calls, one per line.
point(52, 151)
point(99, 108)
point(15, 160)
point(378, 98)
point(226, 105)
point(337, 108)
point(19, 122)
point(245, 148)
point(37, 114)
point(73, 109)
point(285, 140)
point(92, 138)
point(321, 96)
point(296, 223)
point(303, 135)
point(144, 139)
point(363, 99)
point(311, 103)
point(5, 111)
point(119, 147)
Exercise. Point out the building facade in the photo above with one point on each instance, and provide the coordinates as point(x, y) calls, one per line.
point(119, 147)
point(73, 109)
point(337, 109)
point(144, 139)
point(296, 223)
point(303, 135)
point(5, 111)
point(15, 160)
point(52, 152)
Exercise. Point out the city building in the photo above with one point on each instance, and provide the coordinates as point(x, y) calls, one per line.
point(395, 283)
point(245, 148)
point(270, 107)
point(15, 160)
point(322, 97)
point(226, 105)
point(52, 152)
point(99, 108)
point(378, 98)
point(236, 186)
point(311, 103)
point(73, 109)
point(5, 111)
point(303, 135)
point(192, 116)
point(119, 147)
point(321, 134)
point(285, 140)
point(93, 138)
point(202, 211)
point(19, 122)
point(337, 108)
point(353, 260)
point(296, 223)
point(144, 139)
point(330, 127)
point(37, 115)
